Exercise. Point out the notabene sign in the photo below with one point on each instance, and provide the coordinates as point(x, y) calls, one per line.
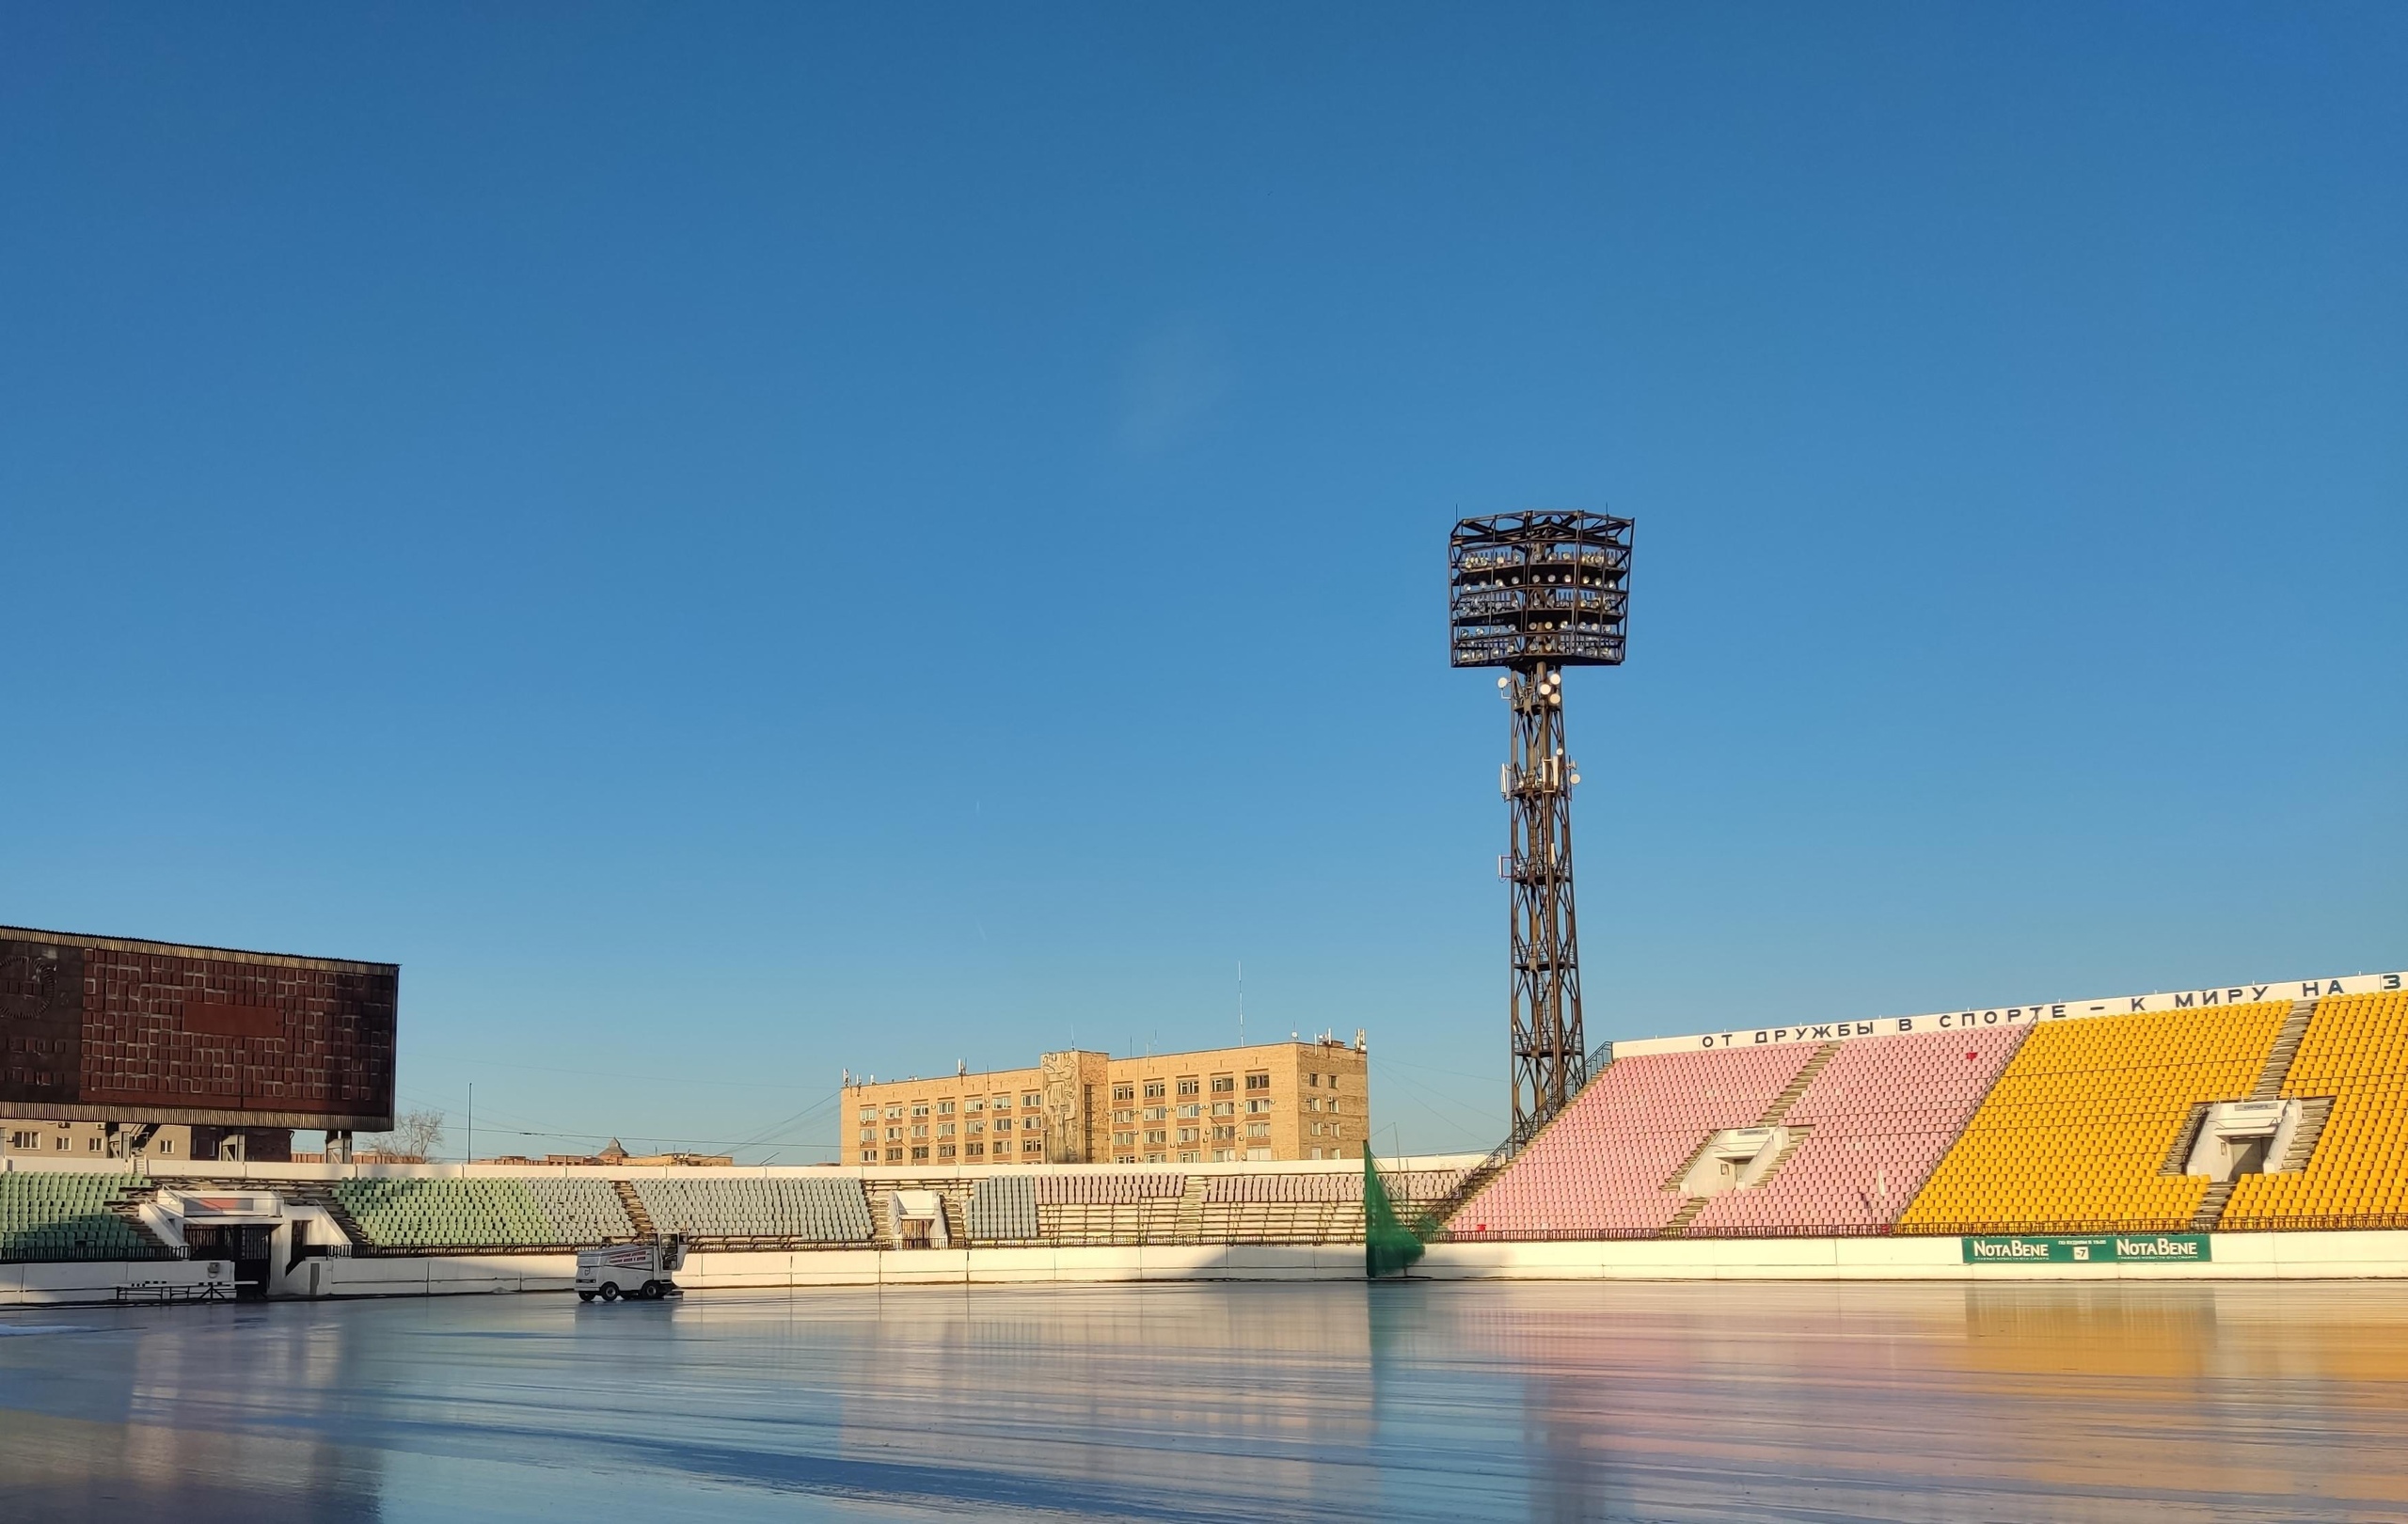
point(2102, 1248)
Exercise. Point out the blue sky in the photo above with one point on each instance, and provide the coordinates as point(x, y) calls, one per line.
point(737, 541)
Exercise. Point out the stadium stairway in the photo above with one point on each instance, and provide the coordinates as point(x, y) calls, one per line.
point(636, 1214)
point(2269, 1087)
point(1788, 1098)
point(1189, 1225)
point(1772, 1118)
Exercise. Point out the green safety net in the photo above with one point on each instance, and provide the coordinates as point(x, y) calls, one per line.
point(1389, 1245)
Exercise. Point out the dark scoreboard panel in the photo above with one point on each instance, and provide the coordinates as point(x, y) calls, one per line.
point(114, 1029)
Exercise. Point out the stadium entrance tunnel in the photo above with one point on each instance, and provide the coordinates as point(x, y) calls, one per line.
point(1735, 1159)
point(265, 1238)
point(2233, 1138)
point(919, 1221)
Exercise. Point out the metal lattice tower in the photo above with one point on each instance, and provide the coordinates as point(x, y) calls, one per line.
point(1535, 594)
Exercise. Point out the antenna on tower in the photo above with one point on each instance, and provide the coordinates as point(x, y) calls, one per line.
point(1241, 1002)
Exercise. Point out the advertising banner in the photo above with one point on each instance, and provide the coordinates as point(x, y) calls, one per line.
point(2088, 1249)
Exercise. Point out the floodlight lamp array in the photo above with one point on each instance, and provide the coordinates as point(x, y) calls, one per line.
point(1532, 589)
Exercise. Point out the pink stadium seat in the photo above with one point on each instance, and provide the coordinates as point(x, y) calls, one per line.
point(1600, 1167)
point(1883, 1112)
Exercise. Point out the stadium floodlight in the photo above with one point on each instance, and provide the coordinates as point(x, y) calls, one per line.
point(1536, 593)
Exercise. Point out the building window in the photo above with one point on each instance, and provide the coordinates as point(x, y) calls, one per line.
point(869, 1114)
point(1313, 1080)
point(1030, 1145)
point(895, 1156)
point(919, 1129)
point(1224, 1084)
point(1124, 1092)
point(1258, 1129)
point(1002, 1124)
point(1257, 1082)
point(92, 1144)
point(974, 1149)
point(1157, 1136)
point(1125, 1158)
point(1191, 1157)
point(920, 1110)
point(1003, 1102)
point(58, 1145)
point(1187, 1135)
point(974, 1128)
point(1225, 1108)
point(167, 1145)
point(1333, 1081)
point(920, 1153)
point(894, 1114)
point(894, 1135)
point(869, 1156)
point(945, 1129)
point(1029, 1102)
point(1124, 1140)
point(869, 1135)
point(1255, 1108)
point(1225, 1134)
point(1154, 1158)
point(1333, 1104)
point(23, 1140)
point(944, 1151)
point(1154, 1090)
point(944, 1108)
point(1191, 1086)
point(1257, 1153)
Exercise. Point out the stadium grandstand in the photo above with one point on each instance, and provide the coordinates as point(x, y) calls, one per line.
point(2257, 1110)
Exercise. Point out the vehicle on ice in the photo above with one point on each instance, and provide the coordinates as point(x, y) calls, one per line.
point(640, 1269)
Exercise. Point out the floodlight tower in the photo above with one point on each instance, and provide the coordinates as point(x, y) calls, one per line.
point(1534, 594)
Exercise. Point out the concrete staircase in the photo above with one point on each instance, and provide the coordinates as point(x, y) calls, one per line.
point(1788, 1098)
point(1772, 1118)
point(2212, 1204)
point(2269, 1087)
point(2312, 1116)
point(634, 1203)
point(1190, 1226)
point(2286, 1048)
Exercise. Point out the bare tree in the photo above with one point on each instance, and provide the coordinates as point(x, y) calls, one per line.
point(414, 1138)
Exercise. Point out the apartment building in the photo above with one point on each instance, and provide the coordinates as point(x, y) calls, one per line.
point(1306, 1098)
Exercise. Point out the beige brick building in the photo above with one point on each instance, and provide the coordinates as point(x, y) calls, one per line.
point(89, 1140)
point(1297, 1100)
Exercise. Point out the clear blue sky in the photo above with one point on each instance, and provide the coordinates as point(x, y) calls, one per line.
point(733, 542)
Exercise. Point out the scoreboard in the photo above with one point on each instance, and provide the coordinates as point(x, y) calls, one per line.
point(118, 1029)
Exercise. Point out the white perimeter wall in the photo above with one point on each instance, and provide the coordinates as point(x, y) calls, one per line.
point(2330, 1256)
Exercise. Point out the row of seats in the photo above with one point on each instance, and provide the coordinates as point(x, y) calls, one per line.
point(830, 1210)
point(1416, 1185)
point(1602, 1166)
point(1084, 1189)
point(46, 1217)
point(2077, 1132)
point(1876, 1120)
point(1002, 1208)
point(490, 1213)
point(2356, 1052)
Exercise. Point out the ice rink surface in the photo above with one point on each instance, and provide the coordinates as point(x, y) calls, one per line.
point(1226, 1402)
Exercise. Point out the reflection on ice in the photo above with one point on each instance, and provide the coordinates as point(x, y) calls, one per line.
point(1233, 1401)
